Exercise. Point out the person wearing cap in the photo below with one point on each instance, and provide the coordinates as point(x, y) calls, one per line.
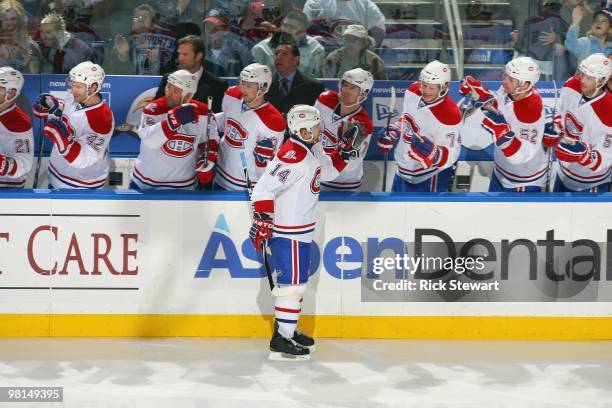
point(294, 26)
point(364, 12)
point(226, 52)
point(595, 41)
point(354, 54)
point(191, 57)
point(290, 86)
point(177, 147)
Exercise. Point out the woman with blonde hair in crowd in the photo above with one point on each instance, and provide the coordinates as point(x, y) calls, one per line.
point(17, 49)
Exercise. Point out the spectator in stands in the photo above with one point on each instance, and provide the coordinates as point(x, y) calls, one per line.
point(596, 40)
point(78, 15)
point(567, 9)
point(149, 46)
point(17, 49)
point(253, 24)
point(290, 86)
point(311, 52)
point(354, 54)
point(60, 50)
point(191, 57)
point(226, 53)
point(542, 38)
point(364, 12)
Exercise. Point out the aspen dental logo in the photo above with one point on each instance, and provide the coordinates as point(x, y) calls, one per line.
point(434, 267)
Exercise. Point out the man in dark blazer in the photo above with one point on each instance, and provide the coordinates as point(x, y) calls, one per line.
point(289, 86)
point(190, 57)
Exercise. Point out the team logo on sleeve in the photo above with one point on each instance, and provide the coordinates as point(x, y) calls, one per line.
point(572, 127)
point(235, 135)
point(179, 146)
point(315, 184)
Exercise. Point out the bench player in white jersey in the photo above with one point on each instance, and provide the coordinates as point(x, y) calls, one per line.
point(514, 116)
point(81, 127)
point(251, 126)
point(428, 134)
point(285, 205)
point(584, 148)
point(16, 138)
point(342, 113)
point(173, 137)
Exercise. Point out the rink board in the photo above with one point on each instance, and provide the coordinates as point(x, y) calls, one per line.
point(120, 263)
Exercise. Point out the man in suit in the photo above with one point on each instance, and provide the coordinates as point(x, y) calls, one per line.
point(190, 57)
point(289, 86)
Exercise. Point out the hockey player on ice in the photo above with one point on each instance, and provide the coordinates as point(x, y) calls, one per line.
point(583, 129)
point(250, 125)
point(285, 205)
point(173, 139)
point(514, 116)
point(427, 134)
point(342, 113)
point(16, 138)
point(80, 127)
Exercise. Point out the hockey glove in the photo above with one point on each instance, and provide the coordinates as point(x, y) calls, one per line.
point(387, 137)
point(261, 230)
point(495, 123)
point(424, 151)
point(473, 88)
point(348, 144)
point(58, 131)
point(577, 151)
point(553, 129)
point(205, 167)
point(264, 152)
point(181, 115)
point(7, 165)
point(46, 105)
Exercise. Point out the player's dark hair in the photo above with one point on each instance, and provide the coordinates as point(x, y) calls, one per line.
point(295, 51)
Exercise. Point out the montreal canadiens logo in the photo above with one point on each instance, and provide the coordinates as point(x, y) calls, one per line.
point(235, 135)
point(179, 146)
point(328, 141)
point(315, 184)
point(572, 126)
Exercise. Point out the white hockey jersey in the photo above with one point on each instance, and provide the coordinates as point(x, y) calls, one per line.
point(591, 121)
point(242, 128)
point(439, 122)
point(524, 161)
point(167, 158)
point(16, 142)
point(86, 162)
point(328, 105)
point(290, 187)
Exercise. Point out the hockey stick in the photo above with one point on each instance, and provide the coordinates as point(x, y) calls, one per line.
point(41, 146)
point(264, 245)
point(386, 154)
point(126, 128)
point(549, 159)
point(209, 116)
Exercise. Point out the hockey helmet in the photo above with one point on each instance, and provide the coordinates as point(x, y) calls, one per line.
point(259, 74)
point(185, 80)
point(87, 73)
point(11, 79)
point(436, 73)
point(596, 66)
point(523, 69)
point(303, 117)
point(361, 78)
